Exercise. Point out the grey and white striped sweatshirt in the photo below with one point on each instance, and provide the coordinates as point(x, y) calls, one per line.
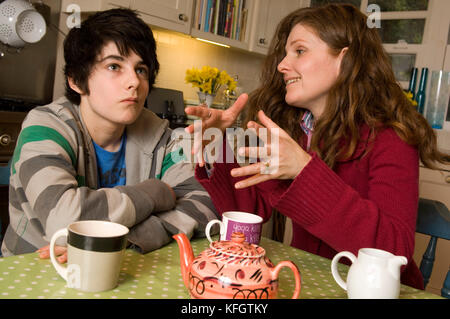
point(54, 182)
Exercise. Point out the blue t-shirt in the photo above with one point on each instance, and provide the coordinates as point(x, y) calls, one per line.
point(111, 165)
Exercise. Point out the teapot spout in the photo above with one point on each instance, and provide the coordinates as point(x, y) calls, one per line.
point(394, 265)
point(186, 256)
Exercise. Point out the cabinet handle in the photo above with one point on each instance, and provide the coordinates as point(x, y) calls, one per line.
point(447, 179)
point(262, 41)
point(5, 140)
point(182, 17)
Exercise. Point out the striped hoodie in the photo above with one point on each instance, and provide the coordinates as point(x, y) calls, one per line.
point(54, 182)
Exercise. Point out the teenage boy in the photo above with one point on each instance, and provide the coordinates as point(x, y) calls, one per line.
point(97, 153)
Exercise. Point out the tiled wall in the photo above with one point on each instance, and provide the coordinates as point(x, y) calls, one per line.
point(177, 53)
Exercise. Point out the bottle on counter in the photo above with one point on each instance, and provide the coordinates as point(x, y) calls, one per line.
point(412, 83)
point(420, 97)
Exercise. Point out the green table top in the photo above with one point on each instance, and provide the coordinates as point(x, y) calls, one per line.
point(157, 275)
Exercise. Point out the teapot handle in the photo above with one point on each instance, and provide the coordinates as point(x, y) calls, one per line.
point(293, 267)
point(334, 270)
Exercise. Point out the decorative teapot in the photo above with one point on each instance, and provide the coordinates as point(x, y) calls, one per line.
point(231, 270)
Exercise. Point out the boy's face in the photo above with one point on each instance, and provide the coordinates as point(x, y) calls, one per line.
point(118, 87)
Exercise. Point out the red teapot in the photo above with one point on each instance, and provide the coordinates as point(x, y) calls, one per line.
point(231, 269)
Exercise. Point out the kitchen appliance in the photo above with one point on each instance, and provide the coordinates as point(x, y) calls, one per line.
point(27, 74)
point(10, 123)
point(26, 80)
point(167, 104)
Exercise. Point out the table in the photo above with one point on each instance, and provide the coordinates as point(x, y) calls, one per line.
point(157, 275)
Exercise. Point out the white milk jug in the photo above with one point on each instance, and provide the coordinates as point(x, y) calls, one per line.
point(375, 274)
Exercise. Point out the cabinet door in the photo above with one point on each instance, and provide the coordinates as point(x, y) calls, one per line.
point(268, 14)
point(94, 5)
point(435, 184)
point(112, 4)
point(174, 15)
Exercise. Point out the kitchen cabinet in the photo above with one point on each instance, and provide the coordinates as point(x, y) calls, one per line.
point(111, 4)
point(435, 185)
point(174, 15)
point(268, 14)
point(257, 19)
point(206, 18)
point(94, 6)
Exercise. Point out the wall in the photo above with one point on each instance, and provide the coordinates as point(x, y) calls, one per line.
point(177, 53)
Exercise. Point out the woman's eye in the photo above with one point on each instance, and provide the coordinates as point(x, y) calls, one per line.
point(299, 51)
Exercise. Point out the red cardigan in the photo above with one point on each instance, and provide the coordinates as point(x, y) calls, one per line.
point(369, 200)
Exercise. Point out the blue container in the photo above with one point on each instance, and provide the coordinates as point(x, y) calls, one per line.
point(439, 96)
point(412, 83)
point(420, 98)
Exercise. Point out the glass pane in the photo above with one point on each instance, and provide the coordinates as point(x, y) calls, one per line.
point(410, 30)
point(316, 3)
point(403, 65)
point(401, 5)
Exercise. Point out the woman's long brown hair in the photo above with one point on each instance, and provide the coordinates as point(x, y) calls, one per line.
point(365, 92)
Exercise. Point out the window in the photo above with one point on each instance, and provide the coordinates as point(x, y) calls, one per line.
point(402, 65)
point(409, 30)
point(317, 3)
point(413, 32)
point(401, 5)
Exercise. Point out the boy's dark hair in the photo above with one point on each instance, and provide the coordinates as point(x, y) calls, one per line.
point(83, 45)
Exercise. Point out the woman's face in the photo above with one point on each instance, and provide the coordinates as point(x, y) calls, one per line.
point(309, 70)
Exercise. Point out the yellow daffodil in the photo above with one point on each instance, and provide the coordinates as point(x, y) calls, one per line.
point(409, 96)
point(209, 80)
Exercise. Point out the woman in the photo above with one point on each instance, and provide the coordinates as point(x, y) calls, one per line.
point(349, 141)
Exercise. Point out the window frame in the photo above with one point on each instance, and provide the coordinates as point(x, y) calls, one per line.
point(431, 52)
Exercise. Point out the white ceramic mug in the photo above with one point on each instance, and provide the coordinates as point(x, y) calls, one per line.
point(246, 223)
point(375, 274)
point(94, 254)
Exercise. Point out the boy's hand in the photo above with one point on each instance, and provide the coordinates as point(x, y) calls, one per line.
point(61, 252)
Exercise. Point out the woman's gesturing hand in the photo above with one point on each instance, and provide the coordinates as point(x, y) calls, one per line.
point(212, 118)
point(283, 158)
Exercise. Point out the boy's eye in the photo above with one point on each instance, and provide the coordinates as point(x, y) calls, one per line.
point(113, 67)
point(142, 71)
point(299, 51)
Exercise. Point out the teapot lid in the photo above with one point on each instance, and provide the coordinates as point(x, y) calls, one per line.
point(237, 247)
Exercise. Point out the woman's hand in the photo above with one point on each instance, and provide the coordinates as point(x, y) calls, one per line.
point(212, 118)
point(283, 158)
point(61, 252)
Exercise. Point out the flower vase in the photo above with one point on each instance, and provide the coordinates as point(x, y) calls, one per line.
point(206, 98)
